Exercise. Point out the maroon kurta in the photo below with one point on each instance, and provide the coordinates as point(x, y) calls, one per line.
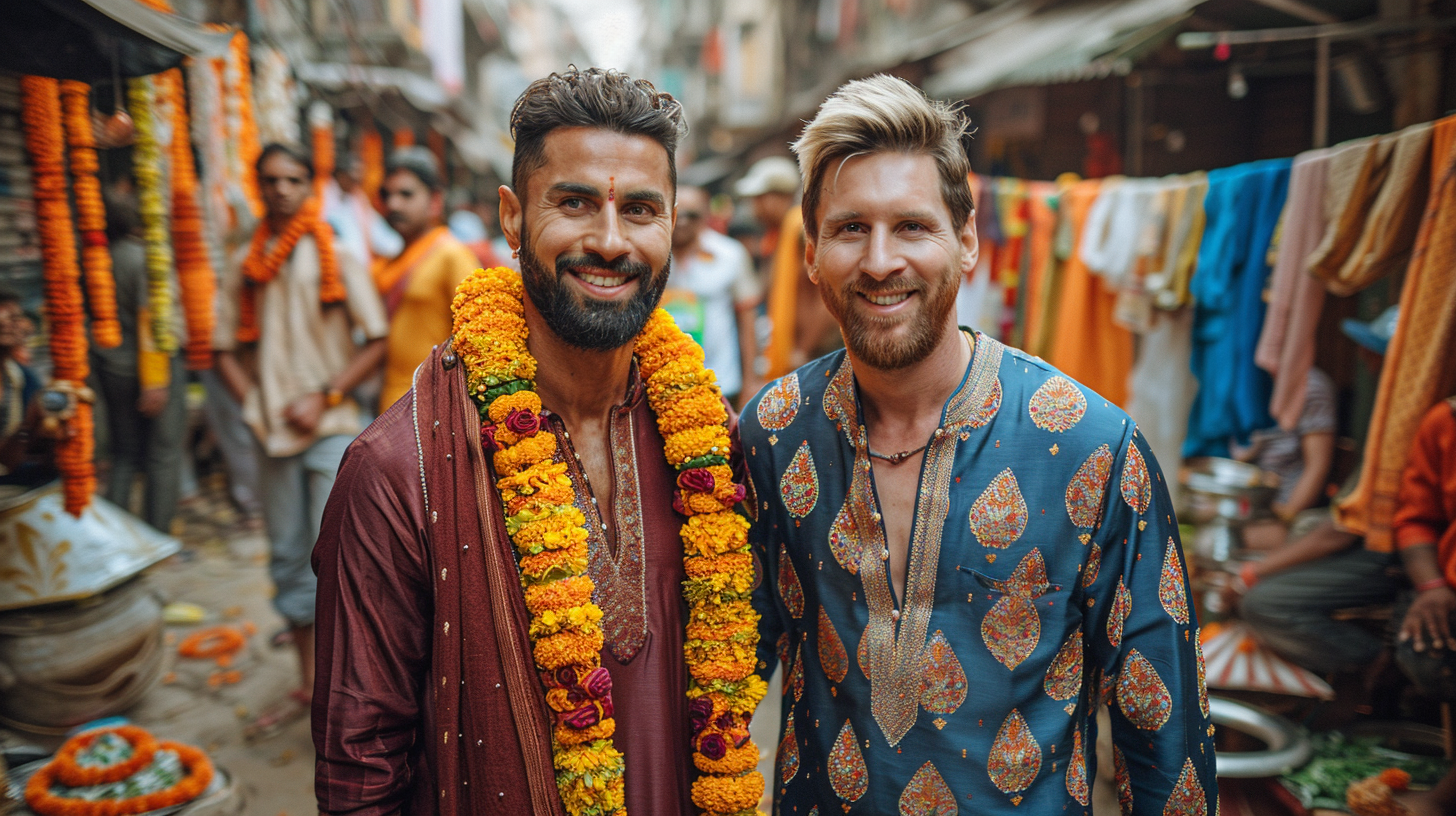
point(426, 698)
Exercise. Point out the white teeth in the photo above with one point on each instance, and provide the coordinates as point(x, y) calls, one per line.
point(600, 280)
point(887, 300)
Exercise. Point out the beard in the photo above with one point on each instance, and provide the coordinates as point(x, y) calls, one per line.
point(592, 325)
point(869, 337)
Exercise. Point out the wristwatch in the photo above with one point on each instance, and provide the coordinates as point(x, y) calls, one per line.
point(332, 397)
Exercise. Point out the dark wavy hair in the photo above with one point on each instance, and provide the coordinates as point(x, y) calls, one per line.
point(591, 98)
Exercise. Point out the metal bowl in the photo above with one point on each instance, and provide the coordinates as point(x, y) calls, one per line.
point(1225, 489)
point(1289, 745)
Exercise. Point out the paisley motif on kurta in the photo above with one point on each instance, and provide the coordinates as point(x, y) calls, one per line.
point(789, 587)
point(795, 683)
point(1141, 694)
point(999, 515)
point(1015, 758)
point(1057, 405)
point(1117, 616)
point(928, 795)
point(1077, 771)
point(1137, 486)
point(779, 404)
point(1064, 676)
point(832, 656)
point(799, 486)
point(1094, 563)
point(1171, 591)
point(1085, 491)
point(1188, 798)
point(1124, 782)
point(1202, 674)
point(943, 681)
point(1011, 629)
point(788, 759)
point(848, 775)
point(844, 540)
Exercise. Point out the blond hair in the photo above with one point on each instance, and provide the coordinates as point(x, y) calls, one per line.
point(884, 114)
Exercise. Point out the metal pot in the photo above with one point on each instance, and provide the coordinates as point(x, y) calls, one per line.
point(67, 665)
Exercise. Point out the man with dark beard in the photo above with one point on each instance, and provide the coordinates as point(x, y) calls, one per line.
point(442, 686)
point(967, 553)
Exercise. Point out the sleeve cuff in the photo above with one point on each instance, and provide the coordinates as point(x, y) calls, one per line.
point(1414, 535)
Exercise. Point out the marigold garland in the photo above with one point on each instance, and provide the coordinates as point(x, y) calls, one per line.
point(64, 310)
point(549, 535)
point(195, 277)
point(242, 123)
point(145, 96)
point(42, 801)
point(262, 263)
point(90, 213)
point(321, 133)
point(371, 161)
point(69, 773)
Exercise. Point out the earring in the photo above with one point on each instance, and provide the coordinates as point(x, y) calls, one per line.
point(515, 253)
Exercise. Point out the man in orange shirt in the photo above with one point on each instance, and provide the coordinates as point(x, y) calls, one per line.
point(418, 285)
point(1425, 534)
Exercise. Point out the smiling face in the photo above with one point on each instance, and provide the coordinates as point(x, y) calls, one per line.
point(888, 259)
point(594, 229)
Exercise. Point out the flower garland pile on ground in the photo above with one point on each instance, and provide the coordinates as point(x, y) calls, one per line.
point(550, 538)
point(90, 213)
point(262, 263)
point(64, 311)
point(195, 278)
point(108, 757)
point(142, 96)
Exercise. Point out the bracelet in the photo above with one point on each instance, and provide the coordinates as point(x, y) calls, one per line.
point(1247, 574)
point(1434, 583)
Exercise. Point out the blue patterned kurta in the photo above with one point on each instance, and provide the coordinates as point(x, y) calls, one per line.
point(1044, 576)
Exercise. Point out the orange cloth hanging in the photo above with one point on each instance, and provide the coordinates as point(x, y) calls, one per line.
point(1085, 343)
point(783, 294)
point(1040, 258)
point(1418, 368)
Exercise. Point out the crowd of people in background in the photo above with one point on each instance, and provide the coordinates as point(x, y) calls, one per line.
point(302, 369)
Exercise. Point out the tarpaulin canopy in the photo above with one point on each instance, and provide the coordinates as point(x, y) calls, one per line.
point(92, 40)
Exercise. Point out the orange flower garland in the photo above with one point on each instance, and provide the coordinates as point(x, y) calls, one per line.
point(42, 801)
point(195, 278)
point(64, 311)
point(321, 132)
point(371, 160)
point(242, 123)
point(550, 537)
point(90, 213)
point(262, 264)
point(215, 642)
point(70, 774)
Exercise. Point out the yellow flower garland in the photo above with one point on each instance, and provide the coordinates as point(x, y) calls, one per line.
point(549, 535)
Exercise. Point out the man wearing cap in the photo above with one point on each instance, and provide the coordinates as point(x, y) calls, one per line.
point(1290, 596)
point(801, 328)
point(418, 284)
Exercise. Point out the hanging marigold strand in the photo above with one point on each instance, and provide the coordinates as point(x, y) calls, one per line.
point(142, 94)
point(64, 311)
point(245, 125)
point(371, 160)
point(195, 276)
point(321, 131)
point(90, 213)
